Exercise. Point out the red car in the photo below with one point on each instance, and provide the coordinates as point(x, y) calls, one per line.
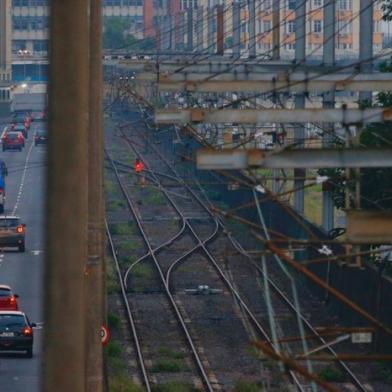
point(8, 300)
point(13, 141)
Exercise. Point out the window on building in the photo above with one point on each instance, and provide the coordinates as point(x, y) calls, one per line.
point(317, 26)
point(291, 4)
point(290, 27)
point(344, 27)
point(317, 3)
point(345, 5)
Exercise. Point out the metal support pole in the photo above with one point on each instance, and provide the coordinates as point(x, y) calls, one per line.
point(96, 237)
point(190, 29)
point(366, 41)
point(276, 30)
point(66, 235)
point(173, 35)
point(180, 30)
point(220, 50)
point(236, 28)
point(200, 28)
point(328, 103)
point(211, 23)
point(299, 131)
point(252, 42)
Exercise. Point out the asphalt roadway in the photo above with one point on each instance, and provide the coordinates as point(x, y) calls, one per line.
point(25, 197)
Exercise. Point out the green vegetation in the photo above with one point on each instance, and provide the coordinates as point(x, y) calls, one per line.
point(111, 278)
point(168, 353)
point(331, 374)
point(384, 372)
point(116, 36)
point(244, 386)
point(113, 349)
point(313, 203)
point(127, 246)
point(376, 184)
point(113, 321)
point(169, 365)
point(115, 205)
point(121, 383)
point(174, 386)
point(154, 197)
point(122, 228)
point(144, 271)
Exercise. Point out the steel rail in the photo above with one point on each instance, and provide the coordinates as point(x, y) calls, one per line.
point(353, 377)
point(210, 257)
point(179, 316)
point(131, 319)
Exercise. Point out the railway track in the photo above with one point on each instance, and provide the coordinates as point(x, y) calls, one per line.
point(284, 298)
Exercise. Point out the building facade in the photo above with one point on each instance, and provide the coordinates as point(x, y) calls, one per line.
point(5, 57)
point(5, 41)
point(347, 25)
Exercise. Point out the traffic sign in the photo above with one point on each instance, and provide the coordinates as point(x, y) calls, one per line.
point(105, 335)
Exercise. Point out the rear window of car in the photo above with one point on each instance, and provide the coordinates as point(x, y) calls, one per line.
point(42, 132)
point(8, 222)
point(19, 127)
point(12, 135)
point(5, 292)
point(11, 320)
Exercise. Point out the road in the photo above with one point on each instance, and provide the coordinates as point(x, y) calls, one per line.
point(24, 271)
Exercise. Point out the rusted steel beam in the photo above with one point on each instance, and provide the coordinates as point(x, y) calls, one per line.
point(294, 366)
point(283, 116)
point(270, 82)
point(347, 358)
point(336, 293)
point(369, 227)
point(235, 159)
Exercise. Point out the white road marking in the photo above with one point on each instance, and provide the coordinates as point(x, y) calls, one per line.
point(21, 186)
point(36, 252)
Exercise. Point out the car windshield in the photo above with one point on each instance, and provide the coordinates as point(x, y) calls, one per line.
point(12, 135)
point(11, 320)
point(41, 132)
point(5, 292)
point(9, 222)
point(19, 127)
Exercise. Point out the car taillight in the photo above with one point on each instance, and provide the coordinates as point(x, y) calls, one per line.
point(27, 331)
point(20, 229)
point(12, 300)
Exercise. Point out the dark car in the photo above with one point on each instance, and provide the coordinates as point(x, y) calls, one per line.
point(16, 332)
point(12, 232)
point(19, 127)
point(8, 300)
point(41, 137)
point(13, 141)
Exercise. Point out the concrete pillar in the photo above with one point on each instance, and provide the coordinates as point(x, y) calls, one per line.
point(366, 29)
point(200, 29)
point(328, 103)
point(299, 132)
point(236, 28)
point(252, 28)
point(211, 21)
point(190, 29)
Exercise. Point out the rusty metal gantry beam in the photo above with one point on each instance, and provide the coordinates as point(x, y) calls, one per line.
point(283, 116)
point(298, 82)
point(210, 159)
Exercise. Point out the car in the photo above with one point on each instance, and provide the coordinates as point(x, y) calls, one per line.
point(16, 332)
point(13, 141)
point(8, 300)
point(40, 137)
point(12, 232)
point(19, 127)
point(38, 115)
